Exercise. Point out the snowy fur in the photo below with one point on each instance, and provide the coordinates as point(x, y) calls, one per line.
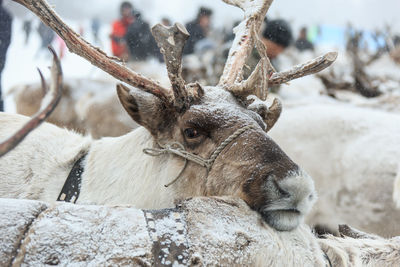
point(353, 154)
point(364, 252)
point(218, 232)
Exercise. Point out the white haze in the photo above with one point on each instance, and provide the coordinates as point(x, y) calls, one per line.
point(368, 14)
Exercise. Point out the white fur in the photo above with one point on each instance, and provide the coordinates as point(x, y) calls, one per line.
point(37, 167)
point(116, 169)
point(119, 169)
point(353, 155)
point(365, 252)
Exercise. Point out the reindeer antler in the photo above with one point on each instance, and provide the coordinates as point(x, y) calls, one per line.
point(245, 34)
point(171, 41)
point(55, 93)
point(94, 55)
point(246, 37)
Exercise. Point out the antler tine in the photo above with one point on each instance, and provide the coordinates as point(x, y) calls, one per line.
point(171, 41)
point(263, 76)
point(55, 94)
point(44, 88)
point(257, 82)
point(255, 11)
point(311, 67)
point(94, 55)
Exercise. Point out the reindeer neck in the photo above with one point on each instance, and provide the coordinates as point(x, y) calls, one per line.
point(118, 172)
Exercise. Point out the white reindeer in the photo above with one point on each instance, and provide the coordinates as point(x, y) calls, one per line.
point(217, 137)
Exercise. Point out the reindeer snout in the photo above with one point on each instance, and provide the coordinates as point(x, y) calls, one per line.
point(299, 191)
point(289, 200)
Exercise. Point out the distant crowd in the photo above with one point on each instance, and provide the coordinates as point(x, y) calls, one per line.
point(131, 37)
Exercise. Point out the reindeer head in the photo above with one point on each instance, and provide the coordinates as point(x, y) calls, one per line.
point(251, 166)
point(220, 130)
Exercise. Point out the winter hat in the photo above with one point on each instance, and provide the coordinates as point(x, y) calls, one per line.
point(279, 32)
point(204, 11)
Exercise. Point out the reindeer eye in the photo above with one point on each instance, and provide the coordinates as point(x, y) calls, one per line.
point(191, 133)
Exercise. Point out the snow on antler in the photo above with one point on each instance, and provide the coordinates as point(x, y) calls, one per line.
point(243, 43)
point(246, 37)
point(171, 41)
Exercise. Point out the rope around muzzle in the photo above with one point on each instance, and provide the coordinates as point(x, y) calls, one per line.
point(178, 149)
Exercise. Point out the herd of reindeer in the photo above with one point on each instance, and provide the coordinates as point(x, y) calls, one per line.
point(204, 150)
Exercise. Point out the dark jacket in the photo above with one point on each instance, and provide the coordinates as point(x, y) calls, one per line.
point(304, 44)
point(5, 39)
point(140, 41)
point(46, 34)
point(5, 35)
point(196, 34)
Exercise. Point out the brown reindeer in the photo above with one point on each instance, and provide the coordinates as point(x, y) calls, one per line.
point(197, 140)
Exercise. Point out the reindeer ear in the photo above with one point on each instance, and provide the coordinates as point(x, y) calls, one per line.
point(270, 114)
point(144, 108)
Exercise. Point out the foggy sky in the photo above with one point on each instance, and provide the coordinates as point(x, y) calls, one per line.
point(369, 14)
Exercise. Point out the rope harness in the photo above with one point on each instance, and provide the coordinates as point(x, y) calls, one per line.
point(178, 149)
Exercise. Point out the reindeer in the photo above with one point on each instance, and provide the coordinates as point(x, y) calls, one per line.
point(197, 140)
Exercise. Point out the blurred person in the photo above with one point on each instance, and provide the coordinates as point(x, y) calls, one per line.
point(95, 25)
point(81, 30)
point(166, 22)
point(229, 35)
point(5, 39)
point(396, 40)
point(119, 30)
point(198, 29)
point(302, 43)
point(46, 35)
point(395, 52)
point(277, 36)
point(27, 28)
point(140, 41)
point(62, 47)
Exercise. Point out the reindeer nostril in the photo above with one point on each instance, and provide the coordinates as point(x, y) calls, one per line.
point(310, 197)
point(281, 191)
